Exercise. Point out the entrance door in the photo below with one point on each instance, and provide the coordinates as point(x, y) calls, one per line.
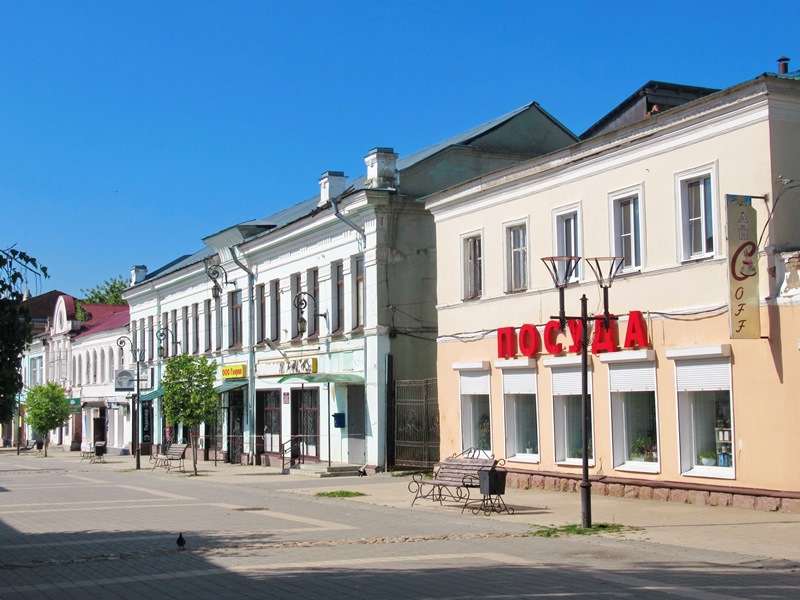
point(235, 426)
point(305, 423)
point(356, 425)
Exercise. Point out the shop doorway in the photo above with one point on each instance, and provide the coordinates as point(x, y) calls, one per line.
point(235, 422)
point(305, 423)
point(356, 425)
point(268, 421)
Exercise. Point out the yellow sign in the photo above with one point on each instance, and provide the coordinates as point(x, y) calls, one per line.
point(745, 317)
point(234, 371)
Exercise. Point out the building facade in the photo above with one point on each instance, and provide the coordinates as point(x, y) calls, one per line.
point(693, 386)
point(313, 312)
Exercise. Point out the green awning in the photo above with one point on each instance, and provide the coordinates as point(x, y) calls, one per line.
point(227, 386)
point(324, 378)
point(152, 395)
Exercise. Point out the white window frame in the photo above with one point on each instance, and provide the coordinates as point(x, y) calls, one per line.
point(516, 280)
point(526, 368)
point(467, 280)
point(682, 181)
point(560, 247)
point(566, 369)
point(616, 200)
point(474, 380)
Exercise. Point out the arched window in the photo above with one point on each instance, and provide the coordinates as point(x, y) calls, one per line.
point(94, 366)
point(111, 364)
point(78, 373)
point(102, 365)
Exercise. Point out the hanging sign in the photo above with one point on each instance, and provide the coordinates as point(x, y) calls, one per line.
point(745, 317)
point(234, 371)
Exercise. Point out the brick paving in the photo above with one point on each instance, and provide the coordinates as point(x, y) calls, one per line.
point(70, 529)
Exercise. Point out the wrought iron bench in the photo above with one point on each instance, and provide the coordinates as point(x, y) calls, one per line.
point(453, 479)
point(29, 445)
point(174, 457)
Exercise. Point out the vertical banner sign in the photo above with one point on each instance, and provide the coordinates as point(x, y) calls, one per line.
point(743, 268)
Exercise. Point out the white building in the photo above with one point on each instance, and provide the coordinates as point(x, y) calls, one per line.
point(314, 312)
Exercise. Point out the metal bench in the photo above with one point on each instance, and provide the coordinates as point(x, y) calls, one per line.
point(29, 445)
point(87, 451)
point(453, 479)
point(174, 457)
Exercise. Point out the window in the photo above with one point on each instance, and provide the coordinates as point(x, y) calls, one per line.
point(140, 345)
point(359, 293)
point(697, 213)
point(627, 228)
point(173, 319)
point(261, 314)
point(218, 319)
point(634, 424)
point(275, 309)
point(209, 325)
point(517, 248)
point(567, 413)
point(338, 296)
point(568, 236)
point(312, 314)
point(150, 338)
point(195, 328)
point(704, 415)
point(522, 432)
point(297, 287)
point(473, 279)
point(185, 329)
point(235, 300)
point(476, 430)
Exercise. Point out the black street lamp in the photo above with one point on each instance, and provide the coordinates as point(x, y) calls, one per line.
point(138, 357)
point(162, 335)
point(300, 303)
point(562, 269)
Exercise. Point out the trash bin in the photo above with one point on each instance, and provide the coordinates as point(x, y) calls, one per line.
point(99, 449)
point(492, 481)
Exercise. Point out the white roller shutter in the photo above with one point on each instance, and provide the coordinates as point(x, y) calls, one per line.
point(567, 381)
point(632, 377)
point(703, 374)
point(474, 382)
point(519, 381)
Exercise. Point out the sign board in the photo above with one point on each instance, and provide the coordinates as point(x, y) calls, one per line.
point(74, 405)
point(745, 316)
point(288, 366)
point(234, 371)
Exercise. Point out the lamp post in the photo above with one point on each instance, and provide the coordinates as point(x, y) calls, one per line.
point(300, 303)
point(163, 334)
point(562, 270)
point(138, 356)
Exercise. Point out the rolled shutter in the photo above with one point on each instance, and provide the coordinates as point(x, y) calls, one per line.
point(567, 381)
point(632, 377)
point(474, 382)
point(703, 374)
point(519, 381)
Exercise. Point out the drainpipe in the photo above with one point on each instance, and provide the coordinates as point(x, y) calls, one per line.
point(251, 348)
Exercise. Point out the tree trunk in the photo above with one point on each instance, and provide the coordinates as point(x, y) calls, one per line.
point(194, 451)
point(46, 440)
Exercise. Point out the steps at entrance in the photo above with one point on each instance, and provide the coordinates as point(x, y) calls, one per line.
point(323, 470)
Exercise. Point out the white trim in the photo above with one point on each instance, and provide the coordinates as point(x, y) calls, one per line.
point(476, 365)
point(614, 200)
point(716, 351)
point(558, 215)
point(463, 238)
point(635, 466)
point(623, 356)
point(508, 258)
point(564, 361)
point(514, 363)
point(714, 472)
point(711, 171)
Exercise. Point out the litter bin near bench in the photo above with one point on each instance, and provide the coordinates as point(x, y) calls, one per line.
point(493, 486)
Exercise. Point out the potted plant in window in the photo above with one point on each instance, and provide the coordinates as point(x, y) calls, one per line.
point(708, 459)
point(642, 448)
point(529, 447)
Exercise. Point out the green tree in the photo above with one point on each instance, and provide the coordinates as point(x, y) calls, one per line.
point(46, 408)
point(189, 395)
point(15, 323)
point(109, 292)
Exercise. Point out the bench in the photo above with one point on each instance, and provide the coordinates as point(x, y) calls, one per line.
point(29, 445)
point(87, 451)
point(172, 458)
point(453, 479)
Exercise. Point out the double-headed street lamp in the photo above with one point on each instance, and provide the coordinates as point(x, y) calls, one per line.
point(562, 269)
point(138, 356)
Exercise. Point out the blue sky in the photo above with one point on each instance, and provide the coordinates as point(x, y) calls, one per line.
point(131, 130)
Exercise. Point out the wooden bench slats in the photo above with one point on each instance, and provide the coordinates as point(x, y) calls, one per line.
point(175, 454)
point(452, 480)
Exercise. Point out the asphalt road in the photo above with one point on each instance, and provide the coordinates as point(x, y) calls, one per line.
point(70, 529)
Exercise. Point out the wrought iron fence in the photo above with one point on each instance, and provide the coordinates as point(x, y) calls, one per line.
point(416, 423)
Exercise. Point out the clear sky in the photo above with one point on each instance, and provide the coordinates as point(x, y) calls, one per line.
point(131, 130)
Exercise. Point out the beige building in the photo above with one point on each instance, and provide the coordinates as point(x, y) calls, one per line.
point(695, 386)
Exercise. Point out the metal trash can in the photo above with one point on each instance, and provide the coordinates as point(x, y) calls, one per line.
point(492, 481)
point(99, 449)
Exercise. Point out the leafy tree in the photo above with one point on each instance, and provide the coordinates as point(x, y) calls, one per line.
point(15, 323)
point(46, 408)
point(109, 292)
point(189, 396)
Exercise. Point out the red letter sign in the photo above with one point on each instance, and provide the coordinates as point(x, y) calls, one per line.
point(550, 331)
point(528, 340)
point(506, 342)
point(636, 334)
point(604, 339)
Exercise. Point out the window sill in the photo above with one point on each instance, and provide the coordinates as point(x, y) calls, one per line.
point(525, 458)
point(712, 472)
point(635, 466)
point(573, 462)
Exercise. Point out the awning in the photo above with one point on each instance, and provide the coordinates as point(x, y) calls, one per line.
point(324, 378)
point(93, 404)
point(152, 395)
point(227, 386)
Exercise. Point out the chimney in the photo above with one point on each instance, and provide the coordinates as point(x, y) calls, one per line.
point(783, 65)
point(138, 273)
point(331, 184)
point(381, 168)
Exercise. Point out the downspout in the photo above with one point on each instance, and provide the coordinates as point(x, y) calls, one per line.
point(251, 348)
point(363, 238)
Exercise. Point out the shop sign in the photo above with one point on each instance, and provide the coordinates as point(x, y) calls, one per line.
point(74, 405)
point(529, 342)
point(234, 371)
point(745, 317)
point(288, 366)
